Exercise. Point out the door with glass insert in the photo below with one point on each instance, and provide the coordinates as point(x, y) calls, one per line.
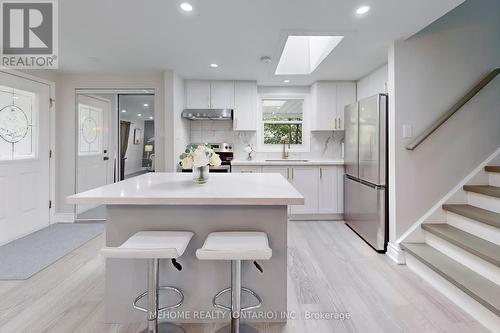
point(94, 161)
point(24, 156)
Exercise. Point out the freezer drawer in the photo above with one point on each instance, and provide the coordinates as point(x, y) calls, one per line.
point(365, 212)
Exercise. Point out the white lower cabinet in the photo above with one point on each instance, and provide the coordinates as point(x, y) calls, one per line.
point(322, 187)
point(283, 170)
point(305, 180)
point(246, 168)
point(330, 189)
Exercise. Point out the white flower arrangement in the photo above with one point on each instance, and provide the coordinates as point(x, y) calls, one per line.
point(196, 156)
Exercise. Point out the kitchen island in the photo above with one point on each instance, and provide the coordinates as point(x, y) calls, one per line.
point(172, 201)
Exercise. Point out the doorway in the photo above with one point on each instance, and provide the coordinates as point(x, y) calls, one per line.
point(25, 177)
point(115, 141)
point(136, 137)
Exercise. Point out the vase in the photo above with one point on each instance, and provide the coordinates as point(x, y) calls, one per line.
point(200, 174)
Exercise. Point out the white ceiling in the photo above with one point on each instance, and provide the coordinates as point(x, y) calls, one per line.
point(134, 105)
point(135, 36)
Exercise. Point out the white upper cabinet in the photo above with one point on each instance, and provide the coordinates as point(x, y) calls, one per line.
point(245, 106)
point(201, 94)
point(346, 94)
point(222, 94)
point(328, 99)
point(197, 94)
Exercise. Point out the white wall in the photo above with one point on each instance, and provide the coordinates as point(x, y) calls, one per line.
point(373, 83)
point(178, 128)
point(66, 84)
point(430, 72)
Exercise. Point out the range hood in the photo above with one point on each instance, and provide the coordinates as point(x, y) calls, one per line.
point(208, 114)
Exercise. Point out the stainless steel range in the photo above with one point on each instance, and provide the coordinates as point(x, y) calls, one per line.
point(226, 154)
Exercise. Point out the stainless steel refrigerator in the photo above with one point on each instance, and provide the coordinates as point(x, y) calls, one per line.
point(366, 162)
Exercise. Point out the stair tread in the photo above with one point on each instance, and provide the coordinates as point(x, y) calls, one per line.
point(475, 213)
point(491, 191)
point(479, 288)
point(484, 249)
point(492, 168)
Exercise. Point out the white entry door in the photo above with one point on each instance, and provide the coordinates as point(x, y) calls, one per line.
point(95, 167)
point(24, 156)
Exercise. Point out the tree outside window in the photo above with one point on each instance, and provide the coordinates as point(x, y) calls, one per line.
point(283, 121)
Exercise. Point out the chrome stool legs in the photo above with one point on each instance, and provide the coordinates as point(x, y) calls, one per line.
point(153, 302)
point(235, 308)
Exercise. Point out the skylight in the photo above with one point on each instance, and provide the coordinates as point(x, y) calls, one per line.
point(303, 54)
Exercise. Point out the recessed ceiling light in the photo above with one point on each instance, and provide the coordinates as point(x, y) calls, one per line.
point(123, 111)
point(303, 54)
point(186, 6)
point(146, 104)
point(214, 65)
point(362, 10)
point(150, 117)
point(139, 114)
point(286, 81)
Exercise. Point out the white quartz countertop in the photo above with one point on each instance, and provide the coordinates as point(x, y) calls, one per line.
point(288, 162)
point(179, 189)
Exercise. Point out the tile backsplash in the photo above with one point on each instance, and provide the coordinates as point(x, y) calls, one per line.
point(324, 145)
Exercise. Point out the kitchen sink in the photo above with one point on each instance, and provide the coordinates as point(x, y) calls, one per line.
point(287, 160)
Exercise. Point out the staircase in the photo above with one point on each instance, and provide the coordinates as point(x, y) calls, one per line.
point(465, 251)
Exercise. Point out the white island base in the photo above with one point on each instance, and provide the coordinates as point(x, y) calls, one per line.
point(199, 280)
point(169, 201)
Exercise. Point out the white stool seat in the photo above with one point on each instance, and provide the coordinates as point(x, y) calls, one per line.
point(235, 245)
point(151, 245)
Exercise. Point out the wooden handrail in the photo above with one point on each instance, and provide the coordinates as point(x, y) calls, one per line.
point(441, 120)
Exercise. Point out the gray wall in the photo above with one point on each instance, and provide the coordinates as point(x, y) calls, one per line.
point(430, 72)
point(373, 83)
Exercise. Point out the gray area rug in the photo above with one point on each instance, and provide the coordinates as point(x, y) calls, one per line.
point(24, 257)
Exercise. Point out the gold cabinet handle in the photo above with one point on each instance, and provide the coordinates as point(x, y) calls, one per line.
point(292, 173)
point(340, 124)
point(320, 173)
point(287, 173)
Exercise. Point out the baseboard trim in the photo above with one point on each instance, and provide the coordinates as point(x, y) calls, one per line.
point(484, 316)
point(64, 218)
point(316, 217)
point(395, 253)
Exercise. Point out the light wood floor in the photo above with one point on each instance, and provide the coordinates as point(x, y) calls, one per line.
point(330, 270)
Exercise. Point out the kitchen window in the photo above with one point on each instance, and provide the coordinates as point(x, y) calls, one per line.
point(282, 121)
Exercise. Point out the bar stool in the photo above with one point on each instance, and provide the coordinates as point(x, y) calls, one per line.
point(154, 245)
point(236, 246)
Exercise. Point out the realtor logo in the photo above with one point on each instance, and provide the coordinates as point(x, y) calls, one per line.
point(29, 34)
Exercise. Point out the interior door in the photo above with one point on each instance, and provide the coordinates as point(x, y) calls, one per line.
point(24, 156)
point(94, 161)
